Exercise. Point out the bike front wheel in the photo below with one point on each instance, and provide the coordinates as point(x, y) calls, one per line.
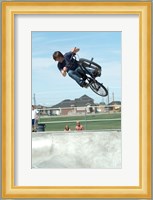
point(98, 88)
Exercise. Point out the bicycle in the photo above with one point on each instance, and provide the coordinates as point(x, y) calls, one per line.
point(95, 86)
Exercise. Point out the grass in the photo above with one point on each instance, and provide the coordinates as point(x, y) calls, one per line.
point(98, 122)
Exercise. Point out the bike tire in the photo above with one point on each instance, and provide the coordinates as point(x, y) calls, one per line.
point(88, 63)
point(98, 88)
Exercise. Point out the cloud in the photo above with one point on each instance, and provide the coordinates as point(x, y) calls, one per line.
point(42, 63)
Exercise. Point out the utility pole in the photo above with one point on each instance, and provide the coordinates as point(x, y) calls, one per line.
point(34, 98)
point(113, 96)
point(108, 96)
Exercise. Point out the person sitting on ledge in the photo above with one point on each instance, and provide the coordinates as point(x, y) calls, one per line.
point(67, 128)
point(79, 127)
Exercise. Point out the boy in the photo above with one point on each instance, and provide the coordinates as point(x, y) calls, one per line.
point(67, 64)
point(34, 118)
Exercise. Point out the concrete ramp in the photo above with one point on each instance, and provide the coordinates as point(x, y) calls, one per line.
point(96, 150)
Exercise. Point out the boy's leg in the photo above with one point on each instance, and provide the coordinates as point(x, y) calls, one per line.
point(35, 125)
point(90, 70)
point(81, 73)
point(77, 77)
point(95, 72)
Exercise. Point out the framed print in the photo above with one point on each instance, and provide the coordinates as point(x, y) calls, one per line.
point(111, 156)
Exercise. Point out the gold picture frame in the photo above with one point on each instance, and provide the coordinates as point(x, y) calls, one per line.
point(9, 10)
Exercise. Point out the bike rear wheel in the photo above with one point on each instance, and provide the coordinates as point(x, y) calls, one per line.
point(88, 63)
point(98, 88)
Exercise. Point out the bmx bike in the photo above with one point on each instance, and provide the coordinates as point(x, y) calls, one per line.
point(95, 86)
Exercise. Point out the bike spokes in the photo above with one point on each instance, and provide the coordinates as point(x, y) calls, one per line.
point(98, 88)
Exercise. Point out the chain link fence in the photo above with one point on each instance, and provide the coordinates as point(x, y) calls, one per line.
point(91, 117)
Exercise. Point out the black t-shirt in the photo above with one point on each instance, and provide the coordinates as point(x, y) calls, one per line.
point(68, 62)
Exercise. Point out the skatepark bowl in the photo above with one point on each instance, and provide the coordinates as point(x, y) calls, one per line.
point(74, 150)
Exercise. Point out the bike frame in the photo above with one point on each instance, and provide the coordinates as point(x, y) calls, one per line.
point(85, 70)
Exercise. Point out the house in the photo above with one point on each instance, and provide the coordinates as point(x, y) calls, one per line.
point(114, 106)
point(43, 110)
point(101, 107)
point(71, 107)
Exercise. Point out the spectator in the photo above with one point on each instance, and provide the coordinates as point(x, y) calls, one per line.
point(67, 128)
point(34, 118)
point(79, 127)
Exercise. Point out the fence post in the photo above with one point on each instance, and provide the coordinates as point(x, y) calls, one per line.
point(39, 116)
point(85, 118)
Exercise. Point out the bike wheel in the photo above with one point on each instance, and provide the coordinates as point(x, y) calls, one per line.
point(89, 63)
point(98, 88)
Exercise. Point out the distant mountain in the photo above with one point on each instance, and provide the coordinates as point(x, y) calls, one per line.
point(78, 102)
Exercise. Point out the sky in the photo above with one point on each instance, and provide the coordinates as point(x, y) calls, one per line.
point(48, 84)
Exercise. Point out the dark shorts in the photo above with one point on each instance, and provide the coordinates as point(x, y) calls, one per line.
point(33, 121)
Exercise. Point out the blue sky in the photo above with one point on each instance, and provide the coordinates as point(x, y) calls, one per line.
point(50, 87)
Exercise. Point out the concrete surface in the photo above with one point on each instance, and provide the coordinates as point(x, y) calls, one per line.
point(77, 150)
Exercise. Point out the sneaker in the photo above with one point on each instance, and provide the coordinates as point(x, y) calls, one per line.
point(95, 73)
point(99, 73)
point(86, 85)
point(81, 83)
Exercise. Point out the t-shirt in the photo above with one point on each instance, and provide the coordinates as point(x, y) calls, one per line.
point(68, 62)
point(34, 113)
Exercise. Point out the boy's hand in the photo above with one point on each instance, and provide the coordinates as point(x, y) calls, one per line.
point(75, 50)
point(65, 69)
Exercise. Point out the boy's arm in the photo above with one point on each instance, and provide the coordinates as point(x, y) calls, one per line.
point(69, 55)
point(64, 71)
